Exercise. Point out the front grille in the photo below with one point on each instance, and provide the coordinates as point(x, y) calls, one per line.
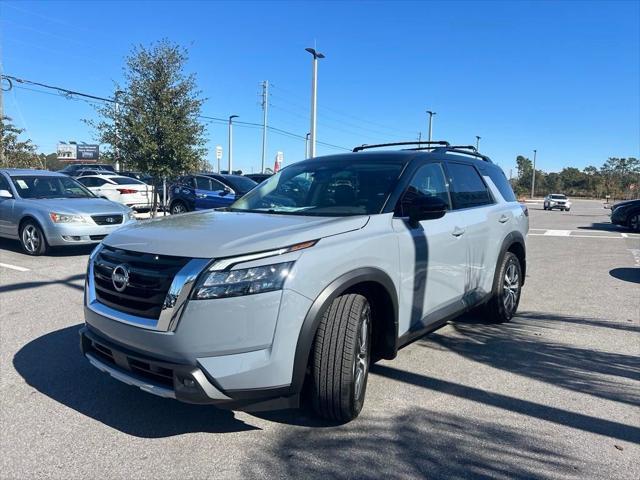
point(150, 278)
point(107, 219)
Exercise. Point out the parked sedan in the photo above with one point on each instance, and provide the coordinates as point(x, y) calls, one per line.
point(207, 190)
point(44, 209)
point(627, 214)
point(129, 191)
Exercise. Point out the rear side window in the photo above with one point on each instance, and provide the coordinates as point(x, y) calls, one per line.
point(500, 180)
point(468, 189)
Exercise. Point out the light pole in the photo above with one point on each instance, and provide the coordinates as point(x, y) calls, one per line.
point(478, 141)
point(431, 114)
point(231, 143)
point(116, 96)
point(265, 112)
point(306, 145)
point(314, 99)
point(533, 177)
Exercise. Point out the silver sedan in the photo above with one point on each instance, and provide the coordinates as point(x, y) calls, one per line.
point(44, 209)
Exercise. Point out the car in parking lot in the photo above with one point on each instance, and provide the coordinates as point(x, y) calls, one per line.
point(627, 214)
point(329, 265)
point(117, 188)
point(557, 200)
point(74, 168)
point(258, 177)
point(45, 209)
point(207, 190)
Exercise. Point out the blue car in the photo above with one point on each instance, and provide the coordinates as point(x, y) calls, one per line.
point(207, 190)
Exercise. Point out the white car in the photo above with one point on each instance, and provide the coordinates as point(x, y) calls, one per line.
point(126, 190)
point(557, 200)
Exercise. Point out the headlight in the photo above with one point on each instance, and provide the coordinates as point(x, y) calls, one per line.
point(131, 215)
point(66, 218)
point(247, 281)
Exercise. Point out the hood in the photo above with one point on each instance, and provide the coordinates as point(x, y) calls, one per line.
point(78, 206)
point(216, 234)
point(625, 203)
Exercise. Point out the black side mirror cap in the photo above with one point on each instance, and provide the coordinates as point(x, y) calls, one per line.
point(426, 208)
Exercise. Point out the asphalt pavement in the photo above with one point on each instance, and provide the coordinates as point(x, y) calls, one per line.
point(554, 394)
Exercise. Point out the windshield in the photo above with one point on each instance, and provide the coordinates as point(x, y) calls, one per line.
point(240, 184)
point(126, 181)
point(559, 197)
point(35, 186)
point(325, 189)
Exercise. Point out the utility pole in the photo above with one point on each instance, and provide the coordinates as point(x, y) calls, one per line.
point(419, 137)
point(314, 99)
point(231, 143)
point(306, 145)
point(2, 159)
point(265, 112)
point(431, 114)
point(116, 95)
point(478, 142)
point(533, 177)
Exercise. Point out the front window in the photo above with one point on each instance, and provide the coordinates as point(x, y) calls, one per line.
point(558, 197)
point(241, 184)
point(325, 188)
point(41, 186)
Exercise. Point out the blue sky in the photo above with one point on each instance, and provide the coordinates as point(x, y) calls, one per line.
point(560, 77)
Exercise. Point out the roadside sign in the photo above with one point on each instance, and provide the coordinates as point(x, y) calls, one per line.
point(88, 152)
point(218, 152)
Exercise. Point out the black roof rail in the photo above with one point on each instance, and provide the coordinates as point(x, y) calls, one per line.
point(467, 150)
point(441, 143)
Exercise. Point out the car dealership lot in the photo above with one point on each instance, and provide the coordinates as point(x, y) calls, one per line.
point(553, 394)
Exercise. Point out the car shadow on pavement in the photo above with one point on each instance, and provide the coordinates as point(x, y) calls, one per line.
point(526, 347)
point(628, 274)
point(70, 251)
point(602, 226)
point(67, 282)
point(412, 443)
point(53, 365)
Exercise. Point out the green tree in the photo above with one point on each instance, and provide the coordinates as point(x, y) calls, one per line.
point(155, 127)
point(17, 153)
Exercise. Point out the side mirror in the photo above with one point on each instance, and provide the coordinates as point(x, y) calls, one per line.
point(426, 208)
point(225, 192)
point(5, 194)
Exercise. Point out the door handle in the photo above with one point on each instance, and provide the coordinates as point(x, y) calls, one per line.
point(457, 232)
point(200, 195)
point(503, 219)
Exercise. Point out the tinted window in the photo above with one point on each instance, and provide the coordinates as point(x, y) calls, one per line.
point(240, 184)
point(428, 181)
point(498, 177)
point(217, 186)
point(559, 197)
point(4, 185)
point(203, 183)
point(467, 188)
point(125, 181)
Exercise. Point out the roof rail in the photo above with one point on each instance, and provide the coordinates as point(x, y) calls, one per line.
point(467, 150)
point(441, 143)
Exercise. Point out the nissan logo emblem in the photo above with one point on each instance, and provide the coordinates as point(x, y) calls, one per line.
point(120, 277)
point(110, 219)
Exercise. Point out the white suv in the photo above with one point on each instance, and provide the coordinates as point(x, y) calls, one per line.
point(557, 200)
point(327, 266)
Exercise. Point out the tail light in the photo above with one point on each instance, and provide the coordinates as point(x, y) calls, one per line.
point(525, 210)
point(125, 191)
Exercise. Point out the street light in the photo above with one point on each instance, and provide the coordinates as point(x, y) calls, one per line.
point(478, 142)
point(431, 114)
point(533, 177)
point(231, 143)
point(314, 98)
point(116, 96)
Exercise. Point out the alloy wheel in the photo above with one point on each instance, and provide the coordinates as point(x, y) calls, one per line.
point(31, 238)
point(361, 362)
point(634, 223)
point(511, 288)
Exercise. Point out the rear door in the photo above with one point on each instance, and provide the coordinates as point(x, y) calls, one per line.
point(8, 225)
point(433, 255)
point(473, 202)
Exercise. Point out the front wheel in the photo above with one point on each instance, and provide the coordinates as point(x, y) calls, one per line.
point(177, 208)
point(506, 295)
point(634, 222)
point(340, 358)
point(32, 239)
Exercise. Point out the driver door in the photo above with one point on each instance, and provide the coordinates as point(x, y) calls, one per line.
point(433, 254)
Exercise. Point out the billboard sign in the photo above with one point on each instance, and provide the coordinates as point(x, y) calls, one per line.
point(67, 151)
point(88, 153)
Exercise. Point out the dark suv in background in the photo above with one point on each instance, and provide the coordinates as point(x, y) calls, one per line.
point(207, 190)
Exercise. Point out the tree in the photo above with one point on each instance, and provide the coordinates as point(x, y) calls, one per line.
point(17, 153)
point(154, 128)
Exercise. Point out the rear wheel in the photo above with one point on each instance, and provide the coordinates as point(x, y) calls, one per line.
point(177, 208)
point(634, 222)
point(340, 358)
point(32, 239)
point(506, 297)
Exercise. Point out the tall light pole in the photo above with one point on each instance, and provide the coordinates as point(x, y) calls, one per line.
point(265, 110)
point(306, 145)
point(431, 114)
point(116, 97)
point(533, 177)
point(314, 99)
point(478, 141)
point(231, 143)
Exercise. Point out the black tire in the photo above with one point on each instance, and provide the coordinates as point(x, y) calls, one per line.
point(178, 207)
point(32, 239)
point(634, 222)
point(499, 309)
point(340, 359)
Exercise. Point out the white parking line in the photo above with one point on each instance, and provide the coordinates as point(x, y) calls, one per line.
point(14, 267)
point(572, 236)
point(558, 233)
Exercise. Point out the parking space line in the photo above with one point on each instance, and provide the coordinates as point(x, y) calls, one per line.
point(14, 267)
point(558, 233)
point(572, 236)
